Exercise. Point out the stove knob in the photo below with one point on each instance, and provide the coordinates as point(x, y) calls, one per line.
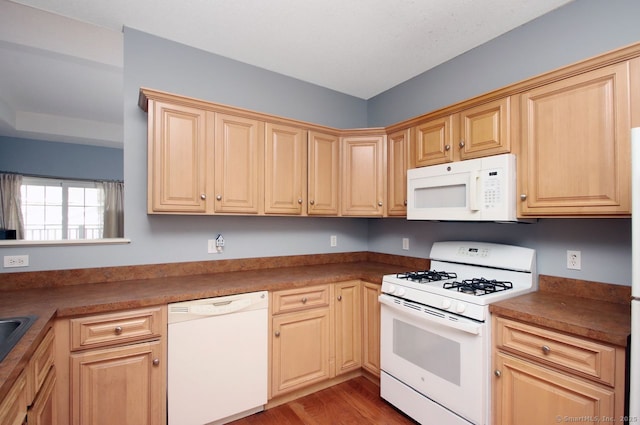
point(460, 308)
point(401, 292)
point(446, 304)
point(391, 289)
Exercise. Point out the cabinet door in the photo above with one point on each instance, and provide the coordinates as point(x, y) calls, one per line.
point(371, 327)
point(44, 408)
point(575, 156)
point(123, 385)
point(485, 129)
point(398, 163)
point(13, 409)
point(301, 345)
point(239, 164)
point(348, 326)
point(324, 171)
point(285, 169)
point(177, 158)
point(433, 140)
point(363, 165)
point(529, 394)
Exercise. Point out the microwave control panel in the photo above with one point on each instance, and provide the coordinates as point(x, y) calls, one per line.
point(491, 188)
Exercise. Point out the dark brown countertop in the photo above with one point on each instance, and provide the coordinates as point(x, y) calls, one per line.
point(75, 299)
point(588, 309)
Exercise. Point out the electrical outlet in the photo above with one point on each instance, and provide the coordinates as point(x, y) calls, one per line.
point(405, 244)
point(333, 241)
point(211, 246)
point(16, 261)
point(574, 260)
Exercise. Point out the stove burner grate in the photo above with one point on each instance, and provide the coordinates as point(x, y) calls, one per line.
point(424, 276)
point(479, 286)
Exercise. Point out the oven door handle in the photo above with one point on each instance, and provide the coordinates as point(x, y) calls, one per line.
point(471, 328)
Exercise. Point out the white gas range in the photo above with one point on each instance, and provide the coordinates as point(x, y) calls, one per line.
point(435, 329)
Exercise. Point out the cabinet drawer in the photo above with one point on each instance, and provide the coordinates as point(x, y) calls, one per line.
point(115, 328)
point(39, 366)
point(300, 299)
point(575, 354)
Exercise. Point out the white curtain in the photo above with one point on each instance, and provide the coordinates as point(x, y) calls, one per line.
point(10, 204)
point(113, 209)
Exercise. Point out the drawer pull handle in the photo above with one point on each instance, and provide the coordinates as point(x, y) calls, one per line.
point(277, 334)
point(546, 349)
point(118, 330)
point(339, 297)
point(304, 300)
point(497, 373)
point(156, 362)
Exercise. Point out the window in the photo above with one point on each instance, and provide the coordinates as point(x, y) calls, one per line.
point(56, 209)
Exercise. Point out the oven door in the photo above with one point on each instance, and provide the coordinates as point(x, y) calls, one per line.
point(441, 356)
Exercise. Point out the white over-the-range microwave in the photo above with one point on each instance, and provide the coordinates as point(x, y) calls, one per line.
point(482, 189)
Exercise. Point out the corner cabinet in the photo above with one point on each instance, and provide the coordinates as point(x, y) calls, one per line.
point(363, 175)
point(542, 376)
point(398, 162)
point(575, 154)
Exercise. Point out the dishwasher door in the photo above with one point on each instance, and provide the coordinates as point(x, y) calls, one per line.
point(217, 359)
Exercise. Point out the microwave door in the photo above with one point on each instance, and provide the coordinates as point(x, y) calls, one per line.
point(450, 197)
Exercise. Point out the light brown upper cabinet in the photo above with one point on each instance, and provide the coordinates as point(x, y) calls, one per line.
point(397, 164)
point(239, 164)
point(177, 153)
point(575, 145)
point(478, 131)
point(363, 175)
point(285, 173)
point(324, 172)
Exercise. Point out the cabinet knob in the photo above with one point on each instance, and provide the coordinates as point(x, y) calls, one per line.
point(304, 300)
point(277, 334)
point(203, 196)
point(156, 362)
point(523, 197)
point(461, 144)
point(219, 197)
point(497, 373)
point(300, 200)
point(312, 202)
point(339, 297)
point(546, 349)
point(447, 147)
point(405, 202)
point(118, 330)
point(379, 203)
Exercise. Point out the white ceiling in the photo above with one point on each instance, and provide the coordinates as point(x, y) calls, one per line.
point(61, 61)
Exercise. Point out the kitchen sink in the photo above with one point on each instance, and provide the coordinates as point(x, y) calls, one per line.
point(11, 330)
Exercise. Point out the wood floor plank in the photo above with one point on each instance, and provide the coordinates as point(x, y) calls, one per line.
point(354, 402)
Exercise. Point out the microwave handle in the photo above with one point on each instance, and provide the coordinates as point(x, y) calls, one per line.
point(473, 190)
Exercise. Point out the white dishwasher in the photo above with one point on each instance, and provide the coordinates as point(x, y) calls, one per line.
point(217, 359)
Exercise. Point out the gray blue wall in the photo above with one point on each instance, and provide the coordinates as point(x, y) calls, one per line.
point(66, 160)
point(564, 36)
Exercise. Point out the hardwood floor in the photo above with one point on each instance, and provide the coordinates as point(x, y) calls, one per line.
point(354, 402)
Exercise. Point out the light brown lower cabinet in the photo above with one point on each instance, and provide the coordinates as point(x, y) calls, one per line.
point(13, 409)
point(544, 377)
point(371, 328)
point(117, 385)
point(112, 368)
point(300, 338)
point(318, 334)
